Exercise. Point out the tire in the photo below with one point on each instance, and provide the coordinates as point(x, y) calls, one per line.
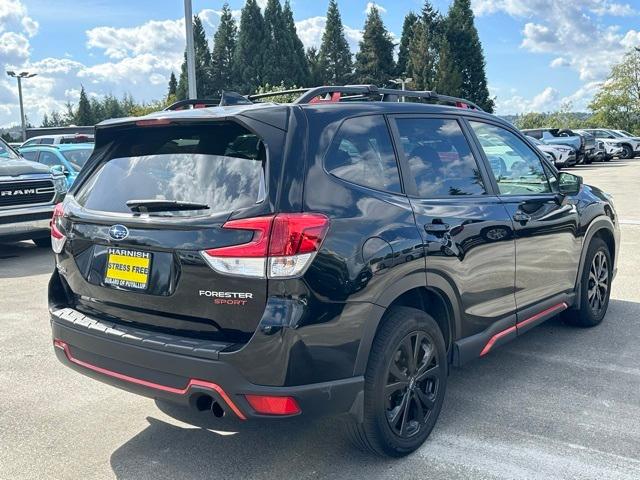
point(593, 302)
point(627, 152)
point(588, 161)
point(44, 242)
point(388, 428)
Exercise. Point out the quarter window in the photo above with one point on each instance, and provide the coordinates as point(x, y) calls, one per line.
point(362, 153)
point(515, 166)
point(439, 158)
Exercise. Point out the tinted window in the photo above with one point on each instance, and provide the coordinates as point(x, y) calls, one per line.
point(77, 158)
point(31, 142)
point(515, 166)
point(362, 153)
point(49, 159)
point(46, 141)
point(220, 165)
point(30, 155)
point(439, 157)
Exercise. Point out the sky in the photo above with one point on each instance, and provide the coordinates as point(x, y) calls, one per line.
point(539, 53)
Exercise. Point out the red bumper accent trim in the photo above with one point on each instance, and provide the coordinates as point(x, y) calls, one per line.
point(559, 307)
point(156, 386)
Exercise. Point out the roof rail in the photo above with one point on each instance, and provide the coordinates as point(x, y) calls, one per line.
point(364, 92)
point(227, 98)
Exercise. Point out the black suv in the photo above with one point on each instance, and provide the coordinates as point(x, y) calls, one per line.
point(333, 255)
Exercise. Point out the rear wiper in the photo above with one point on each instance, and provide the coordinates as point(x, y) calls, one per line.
point(153, 205)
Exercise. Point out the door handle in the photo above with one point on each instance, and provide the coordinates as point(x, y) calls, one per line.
point(437, 227)
point(521, 217)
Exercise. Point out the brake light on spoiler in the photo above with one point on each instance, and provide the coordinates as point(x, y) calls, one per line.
point(282, 246)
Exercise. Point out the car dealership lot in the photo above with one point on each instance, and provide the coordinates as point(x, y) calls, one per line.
point(558, 402)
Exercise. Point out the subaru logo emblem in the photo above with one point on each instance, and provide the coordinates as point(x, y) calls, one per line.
point(118, 232)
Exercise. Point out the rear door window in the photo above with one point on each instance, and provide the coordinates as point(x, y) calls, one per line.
point(220, 166)
point(362, 153)
point(439, 158)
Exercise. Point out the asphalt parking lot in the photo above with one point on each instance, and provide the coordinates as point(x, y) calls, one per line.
point(558, 402)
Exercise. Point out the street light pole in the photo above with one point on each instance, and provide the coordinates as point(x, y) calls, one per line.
point(402, 82)
point(191, 54)
point(19, 77)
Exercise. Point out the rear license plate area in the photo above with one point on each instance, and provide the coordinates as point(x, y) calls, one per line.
point(128, 269)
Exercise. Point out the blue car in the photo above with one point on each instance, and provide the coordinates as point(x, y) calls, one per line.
point(68, 158)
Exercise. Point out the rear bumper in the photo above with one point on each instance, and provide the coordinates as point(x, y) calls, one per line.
point(156, 370)
point(25, 223)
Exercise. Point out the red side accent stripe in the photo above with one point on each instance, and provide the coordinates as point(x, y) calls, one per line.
point(537, 316)
point(138, 381)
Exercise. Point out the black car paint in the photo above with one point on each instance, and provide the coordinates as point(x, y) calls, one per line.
point(319, 328)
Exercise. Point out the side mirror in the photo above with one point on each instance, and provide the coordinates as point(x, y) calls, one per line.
point(60, 169)
point(569, 184)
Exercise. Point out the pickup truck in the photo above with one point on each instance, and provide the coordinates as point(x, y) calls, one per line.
point(29, 192)
point(584, 144)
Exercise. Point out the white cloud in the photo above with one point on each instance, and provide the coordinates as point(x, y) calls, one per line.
point(559, 62)
point(310, 32)
point(370, 5)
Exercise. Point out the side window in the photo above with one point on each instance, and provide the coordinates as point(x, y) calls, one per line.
point(516, 167)
point(439, 158)
point(30, 142)
point(49, 159)
point(362, 153)
point(46, 141)
point(535, 134)
point(30, 155)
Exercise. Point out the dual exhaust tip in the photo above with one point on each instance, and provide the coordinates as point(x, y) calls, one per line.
point(206, 403)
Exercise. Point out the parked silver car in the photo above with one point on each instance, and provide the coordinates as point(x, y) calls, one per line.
point(561, 155)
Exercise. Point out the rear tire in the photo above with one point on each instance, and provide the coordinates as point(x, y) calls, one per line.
point(44, 242)
point(405, 384)
point(595, 288)
point(627, 152)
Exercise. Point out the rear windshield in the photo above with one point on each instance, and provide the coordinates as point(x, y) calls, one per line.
point(77, 139)
point(217, 165)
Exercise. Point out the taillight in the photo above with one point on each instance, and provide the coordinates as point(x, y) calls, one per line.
point(58, 239)
point(282, 246)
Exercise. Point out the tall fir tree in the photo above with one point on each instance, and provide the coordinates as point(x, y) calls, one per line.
point(467, 54)
point(249, 57)
point(335, 57)
point(173, 85)
point(403, 66)
point(298, 67)
point(276, 64)
point(374, 60)
point(202, 64)
point(448, 79)
point(424, 47)
point(83, 115)
point(224, 45)
point(316, 77)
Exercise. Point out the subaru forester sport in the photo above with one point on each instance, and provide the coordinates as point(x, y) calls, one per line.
point(333, 255)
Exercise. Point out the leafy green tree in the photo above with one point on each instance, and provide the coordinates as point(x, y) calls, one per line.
point(298, 70)
point(315, 69)
point(336, 63)
point(284, 98)
point(403, 64)
point(83, 115)
point(249, 57)
point(617, 103)
point(224, 45)
point(424, 48)
point(173, 85)
point(374, 60)
point(467, 54)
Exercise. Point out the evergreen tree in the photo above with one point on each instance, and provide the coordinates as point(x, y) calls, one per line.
point(173, 85)
point(335, 57)
point(97, 110)
point(111, 107)
point(224, 45)
point(45, 121)
point(403, 66)
point(424, 46)
point(249, 57)
point(275, 42)
point(56, 120)
point(202, 63)
point(315, 70)
point(467, 55)
point(448, 77)
point(374, 60)
point(298, 71)
point(83, 116)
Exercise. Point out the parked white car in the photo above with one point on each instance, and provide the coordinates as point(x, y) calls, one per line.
point(630, 145)
point(58, 139)
point(560, 155)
